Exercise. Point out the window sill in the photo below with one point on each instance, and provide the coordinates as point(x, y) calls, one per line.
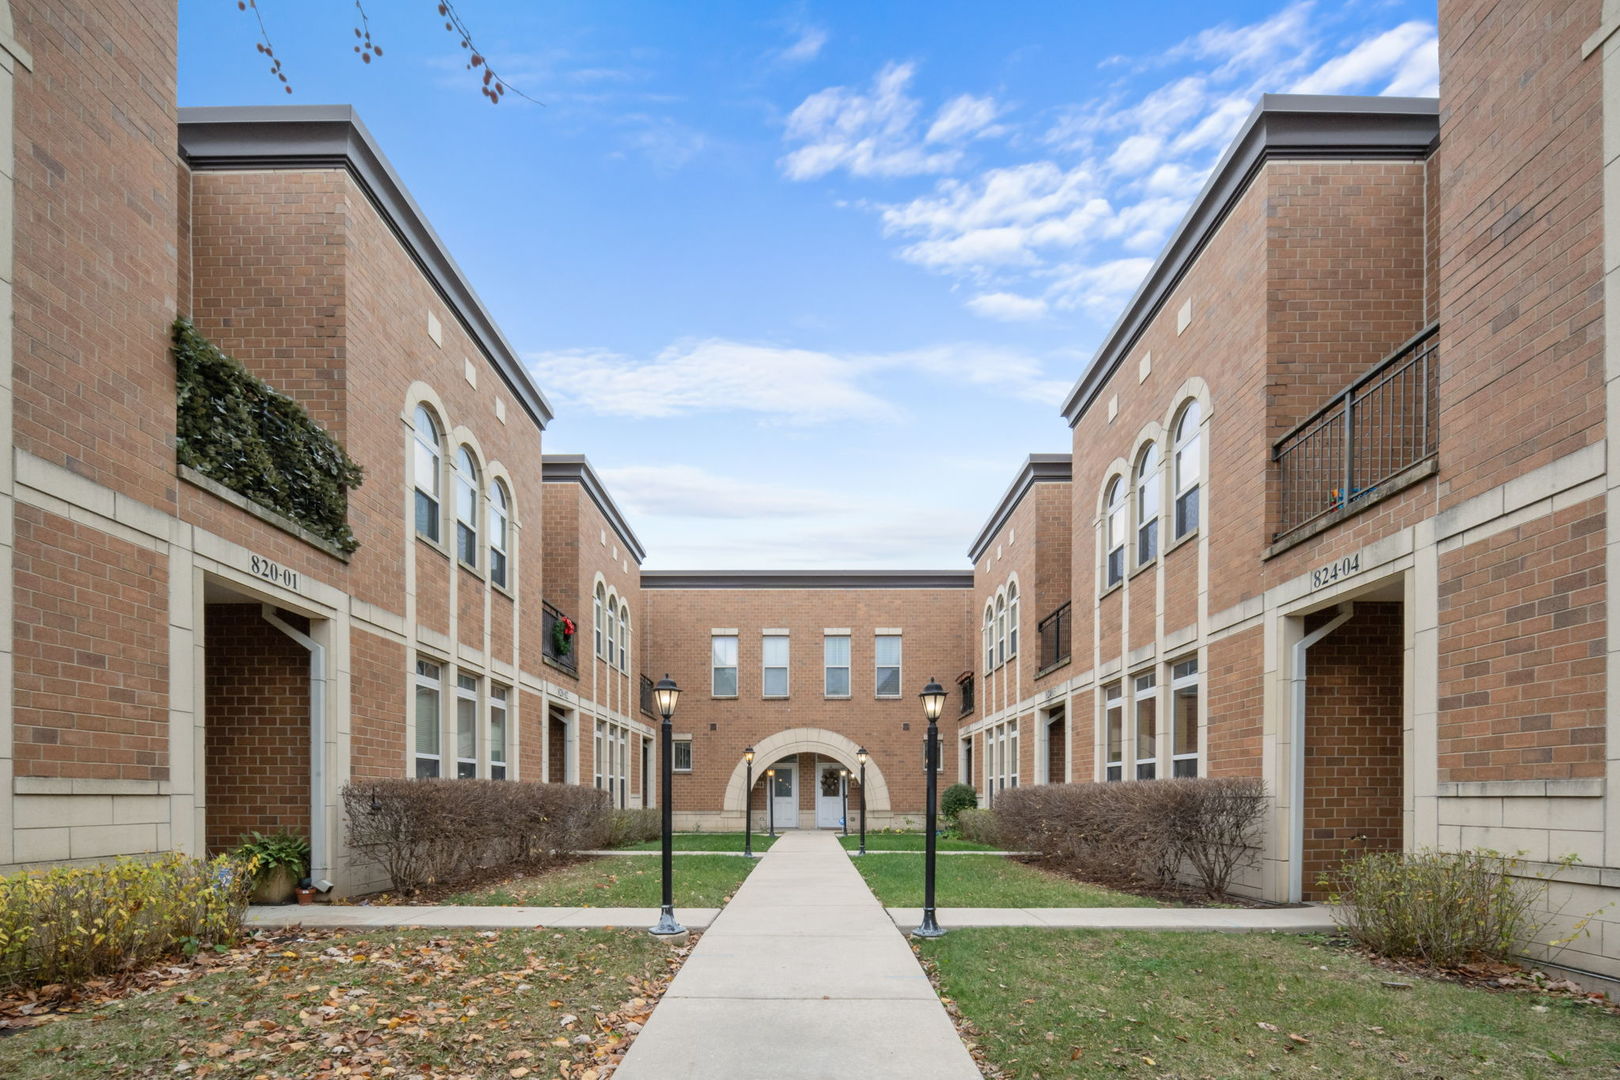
point(471, 569)
point(1149, 565)
point(773, 697)
point(722, 697)
point(1045, 671)
point(504, 591)
point(1114, 588)
point(432, 544)
point(887, 697)
point(1178, 541)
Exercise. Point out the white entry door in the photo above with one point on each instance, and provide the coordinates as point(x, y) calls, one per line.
point(785, 796)
point(829, 795)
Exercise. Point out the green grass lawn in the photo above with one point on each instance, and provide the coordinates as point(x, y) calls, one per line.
point(1077, 1003)
point(983, 881)
point(909, 841)
point(618, 881)
point(377, 1002)
point(708, 841)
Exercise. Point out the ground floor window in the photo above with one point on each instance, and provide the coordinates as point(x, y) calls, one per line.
point(497, 732)
point(1001, 756)
point(612, 757)
point(466, 727)
point(1114, 732)
point(427, 719)
point(1146, 699)
point(681, 761)
point(1184, 717)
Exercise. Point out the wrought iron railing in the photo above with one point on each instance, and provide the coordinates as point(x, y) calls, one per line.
point(1348, 451)
point(1055, 630)
point(549, 618)
point(647, 697)
point(965, 682)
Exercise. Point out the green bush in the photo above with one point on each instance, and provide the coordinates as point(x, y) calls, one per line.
point(978, 826)
point(1441, 908)
point(957, 797)
point(233, 428)
point(634, 826)
point(266, 854)
point(73, 923)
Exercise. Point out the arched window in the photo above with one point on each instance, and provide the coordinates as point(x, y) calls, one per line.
point(1189, 467)
point(499, 520)
point(624, 637)
point(989, 638)
point(1012, 619)
point(597, 624)
point(1114, 532)
point(1001, 630)
point(1147, 505)
point(612, 631)
point(466, 507)
point(425, 473)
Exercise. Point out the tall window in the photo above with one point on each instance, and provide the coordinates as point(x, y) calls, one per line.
point(466, 507)
point(1003, 741)
point(612, 631)
point(499, 523)
point(497, 732)
point(1147, 505)
point(1189, 466)
point(835, 664)
point(1012, 620)
point(887, 654)
point(989, 638)
point(1001, 630)
point(723, 661)
point(1114, 533)
point(599, 767)
point(1184, 718)
point(1147, 726)
point(776, 665)
point(623, 759)
point(427, 719)
point(1114, 732)
point(624, 637)
point(466, 727)
point(596, 623)
point(425, 473)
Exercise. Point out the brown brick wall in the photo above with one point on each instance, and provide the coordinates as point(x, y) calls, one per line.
point(378, 748)
point(256, 728)
point(1235, 704)
point(1522, 651)
point(92, 672)
point(1353, 760)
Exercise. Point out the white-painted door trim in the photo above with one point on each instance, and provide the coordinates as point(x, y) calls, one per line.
point(829, 808)
point(787, 806)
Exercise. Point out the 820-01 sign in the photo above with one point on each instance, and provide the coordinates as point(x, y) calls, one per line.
point(259, 566)
point(1336, 571)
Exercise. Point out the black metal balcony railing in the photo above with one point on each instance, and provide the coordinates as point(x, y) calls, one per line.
point(549, 618)
point(1349, 451)
point(1055, 630)
point(647, 697)
point(965, 682)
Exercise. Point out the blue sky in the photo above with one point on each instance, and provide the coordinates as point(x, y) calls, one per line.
point(807, 281)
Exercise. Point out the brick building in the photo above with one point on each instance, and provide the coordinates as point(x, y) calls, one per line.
point(1335, 512)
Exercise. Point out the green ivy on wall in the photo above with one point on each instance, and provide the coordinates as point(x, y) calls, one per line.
point(234, 429)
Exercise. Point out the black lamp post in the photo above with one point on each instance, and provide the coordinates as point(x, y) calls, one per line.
point(770, 798)
point(665, 694)
point(843, 794)
point(748, 803)
point(933, 699)
point(860, 756)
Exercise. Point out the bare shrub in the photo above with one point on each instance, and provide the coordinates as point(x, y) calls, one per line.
point(634, 826)
point(422, 831)
point(978, 826)
point(1149, 833)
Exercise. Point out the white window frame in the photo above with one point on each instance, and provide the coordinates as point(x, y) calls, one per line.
point(624, 636)
point(899, 668)
point(1113, 713)
point(497, 708)
point(465, 473)
point(1001, 629)
point(1012, 620)
point(715, 667)
point(1147, 508)
point(766, 667)
point(500, 529)
point(1189, 449)
point(624, 767)
point(467, 696)
point(675, 755)
point(599, 754)
point(430, 678)
point(1145, 693)
point(1185, 676)
point(613, 630)
point(989, 637)
point(1116, 511)
point(597, 625)
point(827, 668)
point(431, 444)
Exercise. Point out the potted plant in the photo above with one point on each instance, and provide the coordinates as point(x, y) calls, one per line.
point(278, 861)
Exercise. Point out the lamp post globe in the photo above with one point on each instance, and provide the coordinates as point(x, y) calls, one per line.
point(933, 700)
point(748, 804)
point(860, 756)
point(665, 695)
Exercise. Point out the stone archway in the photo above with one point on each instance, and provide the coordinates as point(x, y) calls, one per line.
point(808, 741)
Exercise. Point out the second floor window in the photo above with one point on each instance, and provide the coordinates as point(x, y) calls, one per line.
point(612, 631)
point(1001, 630)
point(624, 637)
point(1147, 505)
point(1114, 534)
point(425, 473)
point(1012, 620)
point(1188, 467)
point(776, 666)
point(835, 650)
point(499, 523)
point(887, 654)
point(597, 625)
point(989, 639)
point(466, 507)
point(723, 662)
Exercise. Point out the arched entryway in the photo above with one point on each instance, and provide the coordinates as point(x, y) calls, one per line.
point(811, 741)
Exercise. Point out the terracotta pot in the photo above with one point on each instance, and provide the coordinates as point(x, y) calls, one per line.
point(305, 896)
point(276, 887)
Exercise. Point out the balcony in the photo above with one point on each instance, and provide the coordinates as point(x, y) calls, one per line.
point(1055, 632)
point(567, 660)
point(965, 683)
point(1374, 438)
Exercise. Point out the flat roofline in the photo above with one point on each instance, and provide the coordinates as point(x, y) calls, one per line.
point(218, 138)
point(1283, 126)
point(807, 579)
point(1037, 469)
point(576, 469)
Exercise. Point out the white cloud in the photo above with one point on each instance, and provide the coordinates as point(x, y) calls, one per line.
point(1008, 307)
point(665, 142)
point(965, 117)
point(1381, 57)
point(807, 47)
point(1256, 46)
point(868, 133)
point(1135, 153)
point(688, 491)
point(1101, 288)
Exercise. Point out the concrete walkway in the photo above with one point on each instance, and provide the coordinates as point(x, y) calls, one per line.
point(329, 916)
point(1231, 920)
point(802, 977)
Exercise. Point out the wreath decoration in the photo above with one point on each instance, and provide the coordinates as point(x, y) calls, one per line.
point(562, 636)
point(829, 783)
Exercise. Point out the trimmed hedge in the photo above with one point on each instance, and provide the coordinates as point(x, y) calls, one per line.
point(1152, 833)
point(424, 831)
point(234, 428)
point(634, 826)
point(73, 923)
point(978, 826)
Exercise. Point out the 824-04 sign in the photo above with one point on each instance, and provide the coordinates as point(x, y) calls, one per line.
point(1336, 571)
point(259, 566)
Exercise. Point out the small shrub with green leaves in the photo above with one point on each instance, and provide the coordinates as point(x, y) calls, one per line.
point(267, 854)
point(957, 797)
point(73, 923)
